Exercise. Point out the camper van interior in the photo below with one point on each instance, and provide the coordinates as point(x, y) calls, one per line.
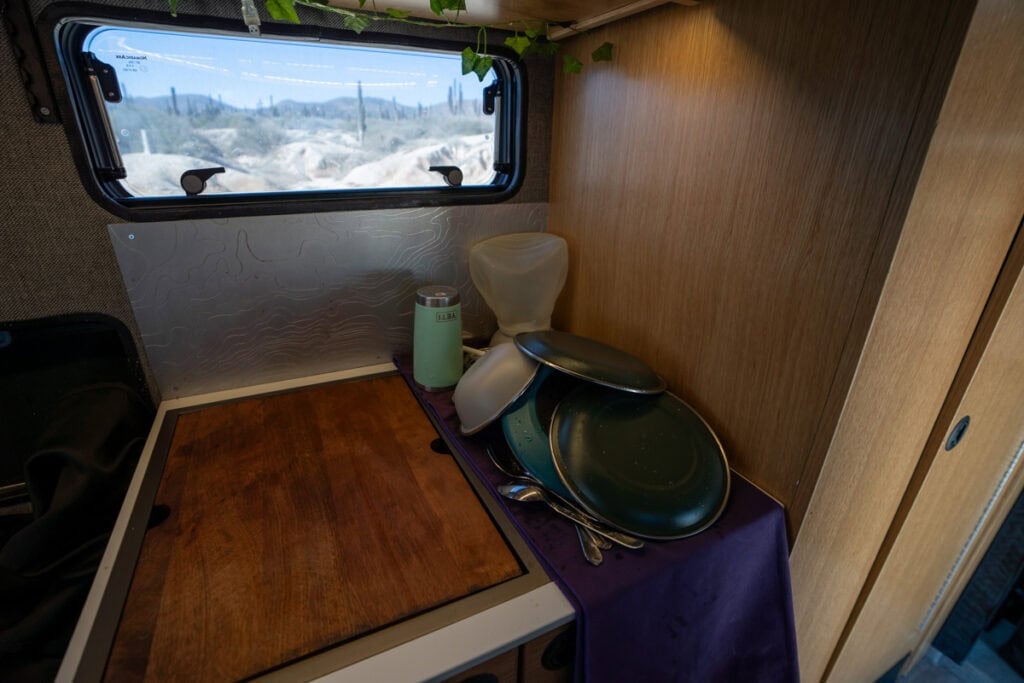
point(286, 285)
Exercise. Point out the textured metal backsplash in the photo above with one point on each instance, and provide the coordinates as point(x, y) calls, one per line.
point(241, 301)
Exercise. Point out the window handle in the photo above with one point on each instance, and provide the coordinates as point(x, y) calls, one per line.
point(193, 181)
point(452, 174)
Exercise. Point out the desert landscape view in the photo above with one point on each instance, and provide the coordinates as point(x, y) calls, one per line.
point(347, 142)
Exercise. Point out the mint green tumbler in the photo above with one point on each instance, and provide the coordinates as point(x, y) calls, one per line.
point(437, 338)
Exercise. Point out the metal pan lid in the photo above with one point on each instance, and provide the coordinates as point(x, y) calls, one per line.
point(591, 360)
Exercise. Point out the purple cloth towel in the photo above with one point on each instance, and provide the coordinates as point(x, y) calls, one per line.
point(714, 607)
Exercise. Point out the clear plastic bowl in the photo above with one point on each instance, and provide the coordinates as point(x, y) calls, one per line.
point(491, 385)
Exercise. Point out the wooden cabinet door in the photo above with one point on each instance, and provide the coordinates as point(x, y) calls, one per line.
point(549, 658)
point(965, 210)
point(501, 669)
point(968, 481)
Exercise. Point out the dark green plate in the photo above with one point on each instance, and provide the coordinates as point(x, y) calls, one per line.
point(526, 424)
point(590, 360)
point(648, 465)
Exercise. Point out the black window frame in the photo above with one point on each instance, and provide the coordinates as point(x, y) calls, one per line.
point(66, 25)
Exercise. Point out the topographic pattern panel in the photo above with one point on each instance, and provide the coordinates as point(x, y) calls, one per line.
point(240, 301)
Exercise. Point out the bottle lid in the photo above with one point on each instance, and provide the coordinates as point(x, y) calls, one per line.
point(437, 296)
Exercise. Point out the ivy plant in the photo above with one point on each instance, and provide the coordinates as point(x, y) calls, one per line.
point(529, 37)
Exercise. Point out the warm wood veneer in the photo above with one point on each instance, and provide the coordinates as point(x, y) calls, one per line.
point(299, 521)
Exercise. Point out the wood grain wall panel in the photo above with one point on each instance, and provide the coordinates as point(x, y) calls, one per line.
point(722, 185)
point(941, 70)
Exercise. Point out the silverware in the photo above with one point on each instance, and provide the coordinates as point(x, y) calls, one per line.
point(530, 492)
point(602, 542)
point(508, 465)
point(588, 542)
point(512, 468)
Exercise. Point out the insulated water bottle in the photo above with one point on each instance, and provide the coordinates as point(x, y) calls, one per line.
point(437, 338)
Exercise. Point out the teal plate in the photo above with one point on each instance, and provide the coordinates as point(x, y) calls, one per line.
point(526, 424)
point(590, 360)
point(648, 465)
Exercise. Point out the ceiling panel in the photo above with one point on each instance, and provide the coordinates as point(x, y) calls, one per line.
point(512, 11)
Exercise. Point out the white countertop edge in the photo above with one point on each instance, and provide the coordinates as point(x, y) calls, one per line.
point(465, 643)
point(87, 618)
point(270, 387)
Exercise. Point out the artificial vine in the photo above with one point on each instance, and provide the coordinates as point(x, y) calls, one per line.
point(528, 38)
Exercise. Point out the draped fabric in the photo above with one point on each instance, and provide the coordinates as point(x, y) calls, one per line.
point(77, 476)
point(714, 607)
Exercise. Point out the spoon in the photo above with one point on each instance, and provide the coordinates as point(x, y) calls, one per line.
point(530, 493)
point(588, 542)
point(512, 468)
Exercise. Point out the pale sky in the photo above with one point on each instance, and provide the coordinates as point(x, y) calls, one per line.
point(247, 71)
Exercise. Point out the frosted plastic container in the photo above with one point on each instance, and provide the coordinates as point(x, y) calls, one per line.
point(491, 385)
point(520, 276)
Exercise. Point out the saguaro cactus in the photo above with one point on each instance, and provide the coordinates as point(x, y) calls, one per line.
point(362, 111)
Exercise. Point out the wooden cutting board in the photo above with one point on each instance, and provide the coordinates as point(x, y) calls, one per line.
point(299, 521)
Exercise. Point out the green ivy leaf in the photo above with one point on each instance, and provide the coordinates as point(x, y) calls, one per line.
point(571, 65)
point(469, 58)
point(361, 3)
point(546, 48)
point(475, 63)
point(518, 43)
point(174, 7)
point(482, 67)
point(356, 22)
point(603, 53)
point(438, 7)
point(283, 10)
point(396, 13)
point(532, 34)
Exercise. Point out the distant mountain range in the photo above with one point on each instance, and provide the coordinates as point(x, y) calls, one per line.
point(340, 107)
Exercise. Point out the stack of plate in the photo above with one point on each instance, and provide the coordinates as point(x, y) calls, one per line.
point(596, 426)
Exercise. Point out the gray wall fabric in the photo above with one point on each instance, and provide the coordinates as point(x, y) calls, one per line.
point(55, 256)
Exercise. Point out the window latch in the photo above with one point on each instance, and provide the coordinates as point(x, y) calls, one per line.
point(103, 81)
point(491, 95)
point(104, 76)
point(193, 181)
point(452, 174)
